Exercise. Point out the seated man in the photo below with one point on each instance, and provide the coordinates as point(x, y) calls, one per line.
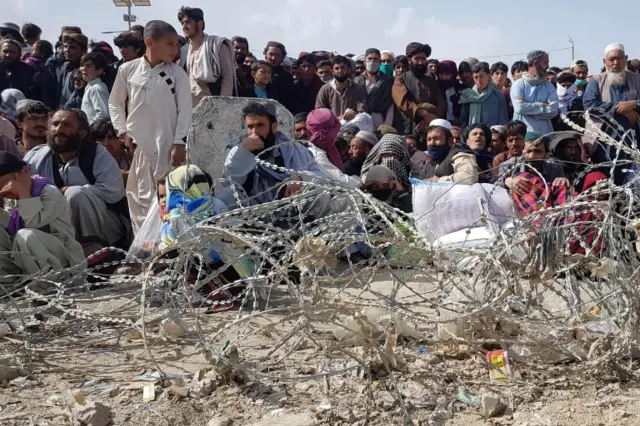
point(361, 146)
point(535, 182)
point(382, 183)
point(261, 183)
point(448, 163)
point(477, 139)
point(87, 175)
point(102, 132)
point(300, 126)
point(567, 150)
point(515, 134)
point(38, 232)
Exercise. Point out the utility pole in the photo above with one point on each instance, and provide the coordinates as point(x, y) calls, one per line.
point(129, 18)
point(573, 49)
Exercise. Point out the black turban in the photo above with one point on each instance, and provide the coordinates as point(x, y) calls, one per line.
point(415, 48)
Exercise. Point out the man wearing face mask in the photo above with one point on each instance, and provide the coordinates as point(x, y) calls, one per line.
point(416, 94)
point(378, 87)
point(535, 100)
point(447, 163)
point(344, 98)
point(261, 184)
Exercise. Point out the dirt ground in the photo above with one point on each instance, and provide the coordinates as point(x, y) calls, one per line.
point(296, 385)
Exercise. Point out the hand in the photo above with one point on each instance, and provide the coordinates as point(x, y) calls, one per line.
point(626, 107)
point(64, 189)
point(253, 143)
point(544, 105)
point(432, 179)
point(561, 182)
point(129, 143)
point(16, 190)
point(632, 117)
point(293, 188)
point(519, 185)
point(178, 154)
point(349, 115)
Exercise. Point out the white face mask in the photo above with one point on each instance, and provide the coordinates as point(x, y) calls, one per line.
point(372, 67)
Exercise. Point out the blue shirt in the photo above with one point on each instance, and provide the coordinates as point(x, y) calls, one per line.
point(260, 93)
point(528, 100)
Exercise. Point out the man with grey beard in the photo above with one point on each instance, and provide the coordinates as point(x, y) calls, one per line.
point(617, 92)
point(535, 99)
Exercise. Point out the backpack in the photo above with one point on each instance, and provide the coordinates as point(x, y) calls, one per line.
point(86, 158)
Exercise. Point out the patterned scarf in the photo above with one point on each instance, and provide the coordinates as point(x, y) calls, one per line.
point(391, 152)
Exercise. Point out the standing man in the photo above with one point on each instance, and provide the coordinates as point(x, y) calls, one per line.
point(57, 84)
point(344, 98)
point(152, 116)
point(241, 51)
point(416, 94)
point(580, 69)
point(378, 87)
point(617, 92)
point(535, 100)
point(208, 60)
point(31, 34)
point(14, 74)
point(282, 80)
point(307, 85)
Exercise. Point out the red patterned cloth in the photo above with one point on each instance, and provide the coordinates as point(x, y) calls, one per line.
point(541, 196)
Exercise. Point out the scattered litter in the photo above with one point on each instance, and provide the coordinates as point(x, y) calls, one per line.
point(467, 398)
point(501, 368)
point(325, 405)
point(149, 392)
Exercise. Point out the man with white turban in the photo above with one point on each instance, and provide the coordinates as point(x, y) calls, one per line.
point(617, 92)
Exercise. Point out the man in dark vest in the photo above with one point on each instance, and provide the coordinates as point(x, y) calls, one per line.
point(378, 87)
point(447, 163)
point(416, 94)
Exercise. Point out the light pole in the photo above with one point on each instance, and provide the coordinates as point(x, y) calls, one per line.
point(573, 49)
point(129, 18)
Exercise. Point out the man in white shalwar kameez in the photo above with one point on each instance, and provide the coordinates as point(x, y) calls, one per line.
point(150, 107)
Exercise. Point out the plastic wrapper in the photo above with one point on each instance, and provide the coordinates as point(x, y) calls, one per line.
point(146, 242)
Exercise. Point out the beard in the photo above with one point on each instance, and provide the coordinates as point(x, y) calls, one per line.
point(541, 74)
point(62, 144)
point(240, 57)
point(269, 142)
point(419, 69)
point(615, 78)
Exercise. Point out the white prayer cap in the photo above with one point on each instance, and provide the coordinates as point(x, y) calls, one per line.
point(379, 173)
point(613, 46)
point(439, 122)
point(389, 52)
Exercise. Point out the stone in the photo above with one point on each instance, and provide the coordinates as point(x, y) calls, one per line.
point(491, 406)
point(93, 414)
point(218, 127)
point(347, 416)
point(387, 401)
point(302, 386)
point(219, 421)
point(306, 369)
point(8, 371)
point(203, 388)
point(180, 391)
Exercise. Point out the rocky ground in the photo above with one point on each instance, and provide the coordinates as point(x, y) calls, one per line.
point(72, 372)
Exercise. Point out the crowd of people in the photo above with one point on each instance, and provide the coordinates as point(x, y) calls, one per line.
point(89, 141)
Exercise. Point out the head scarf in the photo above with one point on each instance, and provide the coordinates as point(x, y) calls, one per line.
point(323, 128)
point(189, 201)
point(414, 48)
point(447, 67)
point(399, 161)
point(566, 97)
point(10, 99)
point(367, 137)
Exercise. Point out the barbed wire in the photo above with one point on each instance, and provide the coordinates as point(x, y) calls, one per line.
point(524, 290)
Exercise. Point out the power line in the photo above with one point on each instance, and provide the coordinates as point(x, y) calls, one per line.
point(515, 54)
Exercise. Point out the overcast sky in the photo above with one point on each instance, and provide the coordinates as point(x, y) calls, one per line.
point(454, 29)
